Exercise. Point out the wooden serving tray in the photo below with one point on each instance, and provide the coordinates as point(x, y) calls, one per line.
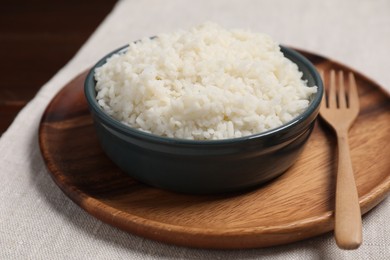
point(295, 206)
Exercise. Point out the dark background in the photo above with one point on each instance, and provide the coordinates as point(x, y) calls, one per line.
point(37, 38)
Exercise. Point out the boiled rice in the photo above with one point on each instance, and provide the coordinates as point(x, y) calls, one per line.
point(206, 83)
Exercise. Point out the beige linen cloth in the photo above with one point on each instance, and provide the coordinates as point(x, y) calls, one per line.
point(37, 221)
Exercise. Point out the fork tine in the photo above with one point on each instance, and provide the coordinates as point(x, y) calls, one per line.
point(323, 102)
point(353, 93)
point(332, 90)
point(341, 91)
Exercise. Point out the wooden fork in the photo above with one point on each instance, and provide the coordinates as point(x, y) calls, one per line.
point(340, 108)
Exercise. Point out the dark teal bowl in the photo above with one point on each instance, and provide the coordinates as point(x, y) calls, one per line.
point(203, 167)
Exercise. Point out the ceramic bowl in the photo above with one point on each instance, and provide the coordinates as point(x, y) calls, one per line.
point(204, 167)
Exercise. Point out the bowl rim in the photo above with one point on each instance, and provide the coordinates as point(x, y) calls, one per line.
point(90, 94)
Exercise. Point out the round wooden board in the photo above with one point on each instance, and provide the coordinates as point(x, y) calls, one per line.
point(295, 206)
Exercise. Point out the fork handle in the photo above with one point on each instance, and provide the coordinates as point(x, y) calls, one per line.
point(348, 220)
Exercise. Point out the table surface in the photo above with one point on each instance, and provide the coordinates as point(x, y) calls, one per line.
point(38, 38)
point(38, 221)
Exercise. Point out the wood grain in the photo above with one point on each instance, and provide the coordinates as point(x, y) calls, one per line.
point(37, 38)
point(295, 206)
